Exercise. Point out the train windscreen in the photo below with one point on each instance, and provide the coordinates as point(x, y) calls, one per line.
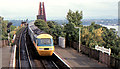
point(44, 42)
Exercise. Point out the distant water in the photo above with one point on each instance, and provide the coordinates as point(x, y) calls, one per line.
point(18, 22)
point(117, 27)
point(109, 23)
point(109, 26)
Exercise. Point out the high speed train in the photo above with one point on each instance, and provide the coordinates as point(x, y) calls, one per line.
point(42, 41)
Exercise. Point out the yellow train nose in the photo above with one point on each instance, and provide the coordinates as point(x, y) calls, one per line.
point(45, 52)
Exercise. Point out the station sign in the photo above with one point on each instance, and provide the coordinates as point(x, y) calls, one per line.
point(104, 50)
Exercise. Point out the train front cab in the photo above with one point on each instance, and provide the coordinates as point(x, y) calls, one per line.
point(45, 45)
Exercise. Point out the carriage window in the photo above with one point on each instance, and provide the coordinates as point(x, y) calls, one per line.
point(46, 41)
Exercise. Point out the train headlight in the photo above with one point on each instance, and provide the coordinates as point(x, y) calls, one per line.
point(50, 48)
point(41, 48)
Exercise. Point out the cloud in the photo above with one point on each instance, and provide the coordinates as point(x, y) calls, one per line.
point(58, 8)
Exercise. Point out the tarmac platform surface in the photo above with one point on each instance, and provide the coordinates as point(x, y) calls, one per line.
point(5, 56)
point(75, 59)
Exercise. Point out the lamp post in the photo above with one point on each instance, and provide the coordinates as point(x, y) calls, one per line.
point(79, 38)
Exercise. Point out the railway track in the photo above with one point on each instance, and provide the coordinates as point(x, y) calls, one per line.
point(48, 63)
point(28, 58)
point(17, 49)
point(23, 59)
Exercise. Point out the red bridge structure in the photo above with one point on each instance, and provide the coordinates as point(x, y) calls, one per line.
point(41, 12)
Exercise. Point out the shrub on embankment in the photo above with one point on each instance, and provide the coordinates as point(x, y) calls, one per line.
point(3, 32)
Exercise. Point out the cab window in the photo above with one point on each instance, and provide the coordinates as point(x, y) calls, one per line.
point(44, 42)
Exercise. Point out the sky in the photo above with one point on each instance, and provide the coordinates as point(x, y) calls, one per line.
point(57, 9)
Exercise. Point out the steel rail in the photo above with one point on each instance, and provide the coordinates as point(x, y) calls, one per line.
point(55, 64)
point(30, 64)
point(28, 53)
point(43, 63)
point(19, 52)
point(48, 63)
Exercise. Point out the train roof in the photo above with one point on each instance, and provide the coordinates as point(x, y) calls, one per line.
point(44, 36)
point(35, 29)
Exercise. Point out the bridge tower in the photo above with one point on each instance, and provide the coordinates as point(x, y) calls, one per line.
point(41, 12)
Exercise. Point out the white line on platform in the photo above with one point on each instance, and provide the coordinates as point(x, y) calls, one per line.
point(62, 60)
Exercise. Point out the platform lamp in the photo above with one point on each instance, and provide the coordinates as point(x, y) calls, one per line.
point(79, 38)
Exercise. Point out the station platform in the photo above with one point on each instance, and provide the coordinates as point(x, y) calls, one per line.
point(5, 57)
point(78, 60)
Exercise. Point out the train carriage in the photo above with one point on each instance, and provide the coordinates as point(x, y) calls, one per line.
point(42, 41)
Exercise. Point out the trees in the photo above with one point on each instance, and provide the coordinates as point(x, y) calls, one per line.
point(12, 28)
point(41, 24)
point(51, 27)
point(3, 25)
point(56, 30)
point(98, 35)
point(74, 19)
point(1, 19)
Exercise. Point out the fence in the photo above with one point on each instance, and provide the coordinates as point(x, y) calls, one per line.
point(3, 43)
point(98, 55)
